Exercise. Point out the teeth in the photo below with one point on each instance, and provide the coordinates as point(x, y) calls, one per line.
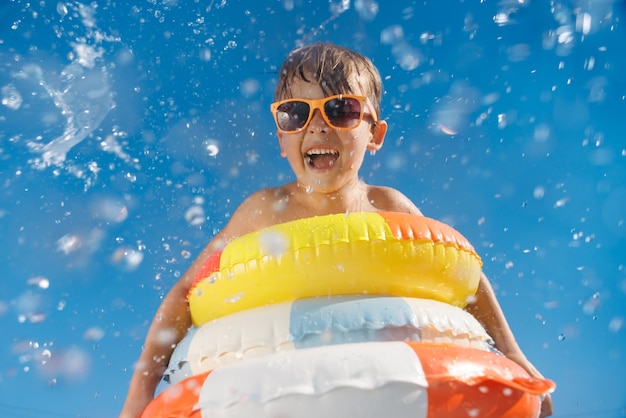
point(320, 151)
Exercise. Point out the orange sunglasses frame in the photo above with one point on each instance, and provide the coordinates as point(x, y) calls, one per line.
point(319, 104)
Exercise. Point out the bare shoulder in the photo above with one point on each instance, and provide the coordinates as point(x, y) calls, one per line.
point(262, 208)
point(390, 199)
point(252, 214)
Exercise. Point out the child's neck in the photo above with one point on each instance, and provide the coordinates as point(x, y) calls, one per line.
point(351, 198)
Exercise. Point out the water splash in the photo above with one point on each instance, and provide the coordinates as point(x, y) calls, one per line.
point(84, 102)
point(406, 55)
point(506, 11)
point(337, 8)
point(80, 92)
point(576, 20)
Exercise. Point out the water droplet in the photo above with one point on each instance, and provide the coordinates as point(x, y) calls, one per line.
point(94, 334)
point(249, 87)
point(68, 243)
point(195, 216)
point(11, 97)
point(61, 9)
point(212, 150)
point(367, 9)
point(235, 298)
point(109, 209)
point(166, 337)
point(392, 35)
point(205, 54)
point(128, 258)
point(273, 243)
point(36, 318)
point(539, 192)
point(502, 121)
point(75, 364)
point(616, 324)
point(561, 202)
point(39, 281)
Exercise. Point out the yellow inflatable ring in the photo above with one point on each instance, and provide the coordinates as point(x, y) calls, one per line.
point(377, 253)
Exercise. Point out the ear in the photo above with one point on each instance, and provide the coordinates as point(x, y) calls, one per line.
point(378, 136)
point(281, 141)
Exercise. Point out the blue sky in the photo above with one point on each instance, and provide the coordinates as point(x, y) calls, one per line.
point(130, 131)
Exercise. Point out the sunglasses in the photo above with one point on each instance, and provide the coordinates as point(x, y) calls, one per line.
point(341, 112)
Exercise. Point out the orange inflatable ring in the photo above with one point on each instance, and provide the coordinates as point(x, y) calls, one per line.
point(380, 253)
point(374, 379)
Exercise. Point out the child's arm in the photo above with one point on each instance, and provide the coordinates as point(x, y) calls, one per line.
point(173, 319)
point(486, 309)
point(170, 323)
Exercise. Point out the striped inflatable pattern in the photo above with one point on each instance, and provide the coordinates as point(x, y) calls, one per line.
point(315, 322)
point(374, 379)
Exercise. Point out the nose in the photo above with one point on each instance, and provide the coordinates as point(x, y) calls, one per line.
point(317, 123)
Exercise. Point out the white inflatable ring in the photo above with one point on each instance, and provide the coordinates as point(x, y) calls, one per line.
point(315, 322)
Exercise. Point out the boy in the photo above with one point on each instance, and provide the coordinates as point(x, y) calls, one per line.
point(327, 109)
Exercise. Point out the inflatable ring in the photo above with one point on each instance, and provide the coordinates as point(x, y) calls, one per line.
point(292, 320)
point(374, 379)
point(316, 322)
point(380, 253)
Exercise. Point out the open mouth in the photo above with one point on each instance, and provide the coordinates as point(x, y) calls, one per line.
point(321, 158)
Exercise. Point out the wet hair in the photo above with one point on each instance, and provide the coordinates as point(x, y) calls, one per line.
point(334, 68)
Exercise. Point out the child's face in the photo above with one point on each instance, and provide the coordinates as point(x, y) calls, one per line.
point(325, 159)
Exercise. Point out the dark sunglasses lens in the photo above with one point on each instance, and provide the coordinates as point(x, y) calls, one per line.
point(292, 116)
point(344, 112)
